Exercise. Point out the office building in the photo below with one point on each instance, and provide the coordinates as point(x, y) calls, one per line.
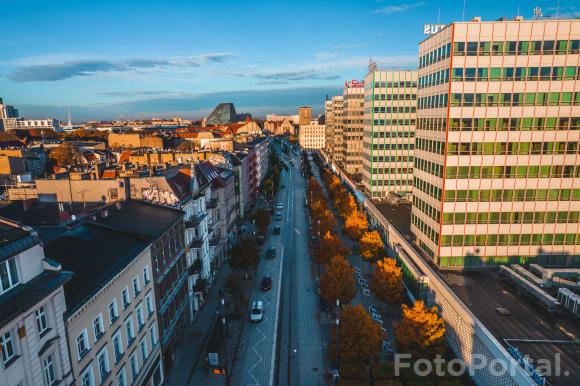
point(334, 128)
point(312, 136)
point(496, 173)
point(7, 111)
point(389, 132)
point(304, 115)
point(33, 345)
point(352, 127)
point(223, 114)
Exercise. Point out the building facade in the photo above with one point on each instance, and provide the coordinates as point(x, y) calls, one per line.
point(337, 129)
point(312, 136)
point(496, 174)
point(352, 127)
point(32, 303)
point(389, 132)
point(304, 115)
point(223, 114)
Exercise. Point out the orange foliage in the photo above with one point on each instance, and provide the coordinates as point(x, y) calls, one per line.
point(387, 283)
point(421, 332)
point(371, 245)
point(330, 245)
point(337, 281)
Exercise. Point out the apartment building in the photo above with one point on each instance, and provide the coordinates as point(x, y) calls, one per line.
point(304, 115)
point(496, 173)
point(33, 346)
point(111, 317)
point(312, 136)
point(352, 127)
point(390, 103)
point(336, 129)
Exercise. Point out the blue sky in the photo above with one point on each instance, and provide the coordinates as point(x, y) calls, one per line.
point(106, 59)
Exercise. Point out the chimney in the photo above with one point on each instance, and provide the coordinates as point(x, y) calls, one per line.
point(476, 19)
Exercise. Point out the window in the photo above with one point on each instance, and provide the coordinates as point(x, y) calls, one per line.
point(87, 377)
point(113, 313)
point(8, 275)
point(82, 344)
point(41, 322)
point(136, 286)
point(140, 318)
point(126, 299)
point(146, 277)
point(7, 345)
point(134, 366)
point(49, 372)
point(149, 304)
point(144, 351)
point(117, 346)
point(103, 364)
point(98, 327)
point(153, 334)
point(122, 378)
point(129, 330)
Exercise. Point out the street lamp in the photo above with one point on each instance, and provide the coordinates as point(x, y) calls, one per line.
point(337, 372)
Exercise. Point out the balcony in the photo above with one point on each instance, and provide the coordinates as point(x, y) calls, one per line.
point(195, 220)
point(212, 204)
point(214, 241)
point(195, 268)
point(196, 243)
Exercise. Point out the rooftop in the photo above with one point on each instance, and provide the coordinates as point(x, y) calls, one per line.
point(14, 239)
point(93, 253)
point(399, 215)
point(527, 326)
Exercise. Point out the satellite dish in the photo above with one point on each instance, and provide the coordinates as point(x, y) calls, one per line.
point(73, 217)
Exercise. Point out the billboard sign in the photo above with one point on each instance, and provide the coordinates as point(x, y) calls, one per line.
point(430, 29)
point(354, 83)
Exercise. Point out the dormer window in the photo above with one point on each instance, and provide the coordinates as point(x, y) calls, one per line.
point(8, 275)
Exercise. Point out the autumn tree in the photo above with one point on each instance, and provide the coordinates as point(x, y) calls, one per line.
point(371, 245)
point(355, 225)
point(244, 254)
point(65, 155)
point(330, 245)
point(262, 220)
point(387, 282)
point(360, 337)
point(337, 281)
point(186, 146)
point(421, 331)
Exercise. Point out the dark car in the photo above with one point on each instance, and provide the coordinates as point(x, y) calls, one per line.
point(260, 239)
point(266, 283)
point(271, 253)
point(276, 230)
point(283, 187)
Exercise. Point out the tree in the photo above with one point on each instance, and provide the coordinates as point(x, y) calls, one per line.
point(355, 225)
point(337, 281)
point(262, 220)
point(244, 254)
point(360, 337)
point(348, 206)
point(327, 221)
point(186, 146)
point(65, 155)
point(371, 245)
point(421, 331)
point(330, 245)
point(387, 282)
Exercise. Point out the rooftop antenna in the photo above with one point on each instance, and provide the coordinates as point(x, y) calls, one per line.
point(558, 8)
point(69, 120)
point(438, 14)
point(463, 13)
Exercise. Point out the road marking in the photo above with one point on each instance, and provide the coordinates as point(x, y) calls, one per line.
point(297, 231)
point(271, 383)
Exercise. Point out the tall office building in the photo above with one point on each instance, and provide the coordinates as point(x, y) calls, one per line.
point(7, 111)
point(223, 114)
point(352, 127)
point(304, 115)
point(335, 132)
point(496, 174)
point(389, 132)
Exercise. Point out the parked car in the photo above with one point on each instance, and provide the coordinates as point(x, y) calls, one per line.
point(278, 216)
point(282, 186)
point(257, 311)
point(260, 239)
point(266, 283)
point(373, 309)
point(271, 253)
point(280, 207)
point(276, 230)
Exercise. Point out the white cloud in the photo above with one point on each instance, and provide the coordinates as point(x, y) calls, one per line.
point(391, 9)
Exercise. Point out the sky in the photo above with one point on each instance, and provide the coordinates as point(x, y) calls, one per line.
point(115, 59)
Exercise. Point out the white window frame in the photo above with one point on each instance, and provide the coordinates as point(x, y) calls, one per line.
point(47, 365)
point(117, 336)
point(140, 316)
point(104, 353)
point(41, 320)
point(146, 275)
point(122, 377)
point(12, 282)
point(145, 351)
point(149, 304)
point(115, 309)
point(134, 363)
point(153, 335)
point(85, 337)
point(136, 286)
point(5, 341)
point(100, 323)
point(125, 296)
point(88, 372)
point(129, 332)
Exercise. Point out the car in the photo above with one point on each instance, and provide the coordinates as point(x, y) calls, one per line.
point(276, 230)
point(266, 283)
point(257, 311)
point(260, 239)
point(283, 187)
point(373, 309)
point(278, 216)
point(280, 207)
point(271, 253)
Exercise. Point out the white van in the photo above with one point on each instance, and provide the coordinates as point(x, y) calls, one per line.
point(257, 311)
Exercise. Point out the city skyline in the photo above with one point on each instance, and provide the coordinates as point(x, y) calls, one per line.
point(182, 59)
